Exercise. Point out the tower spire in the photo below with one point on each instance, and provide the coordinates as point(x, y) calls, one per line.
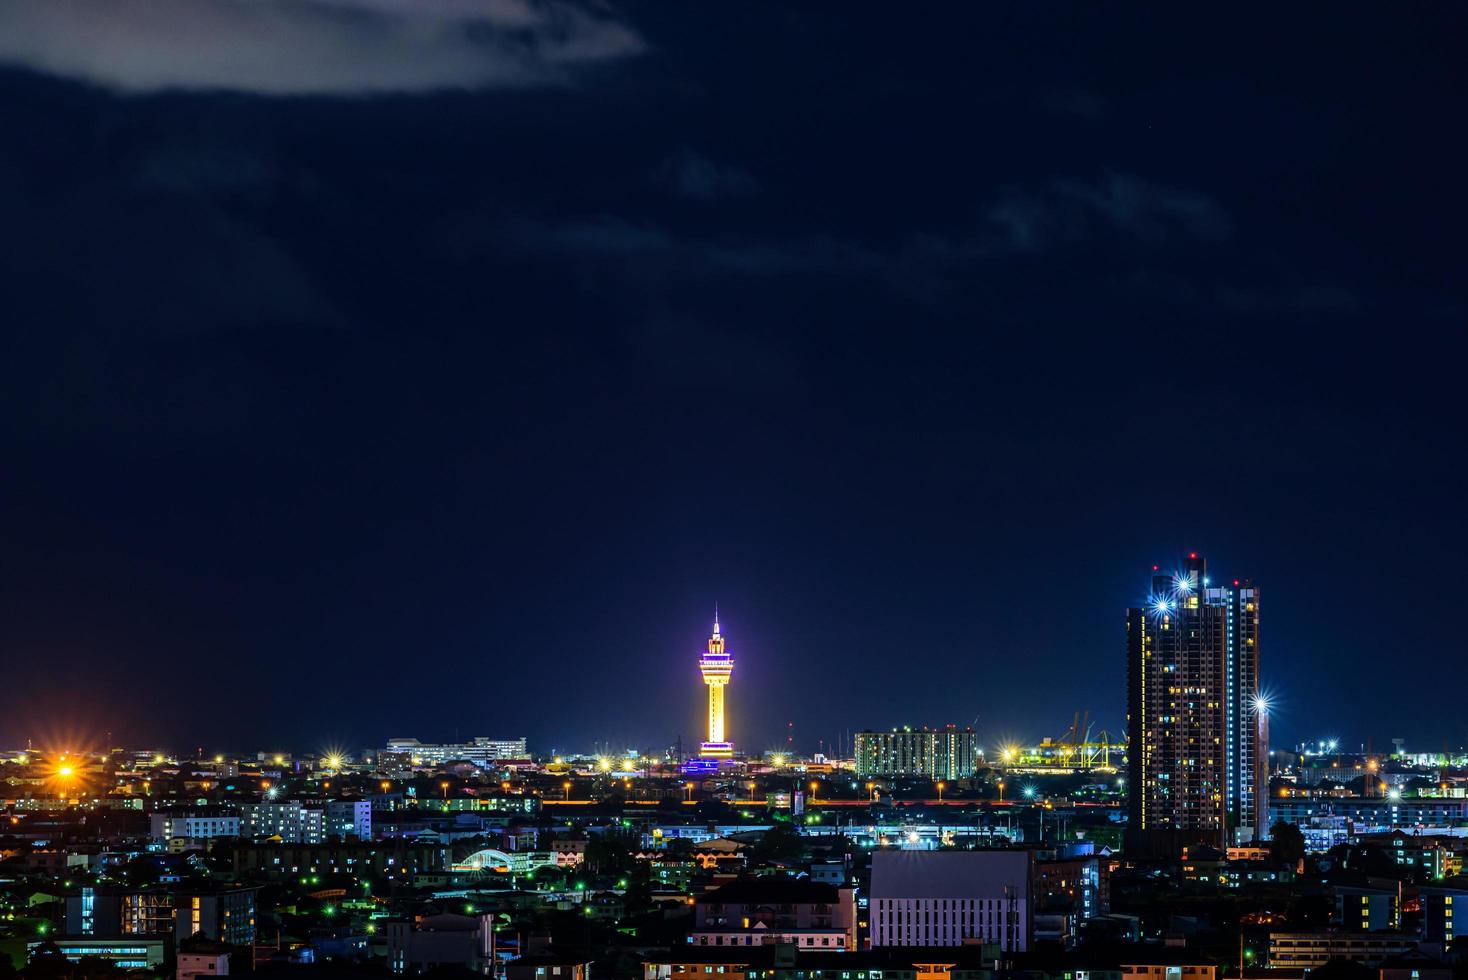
point(716, 665)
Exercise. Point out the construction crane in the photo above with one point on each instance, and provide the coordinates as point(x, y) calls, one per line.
point(1079, 749)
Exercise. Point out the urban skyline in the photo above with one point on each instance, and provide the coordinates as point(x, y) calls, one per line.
point(1251, 700)
point(877, 385)
point(631, 490)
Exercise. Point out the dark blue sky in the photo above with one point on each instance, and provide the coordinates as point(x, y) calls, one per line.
point(446, 394)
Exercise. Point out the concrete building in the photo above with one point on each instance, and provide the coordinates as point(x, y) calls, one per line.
point(1070, 888)
point(127, 953)
point(1413, 966)
point(949, 898)
point(202, 958)
point(193, 825)
point(945, 753)
point(1372, 814)
point(419, 945)
point(293, 822)
point(118, 912)
point(397, 859)
point(349, 818)
point(1308, 950)
point(223, 914)
point(548, 964)
point(408, 752)
point(1360, 909)
point(1166, 963)
point(1439, 901)
point(787, 962)
point(776, 909)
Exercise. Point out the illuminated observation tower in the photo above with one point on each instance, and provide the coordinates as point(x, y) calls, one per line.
point(716, 666)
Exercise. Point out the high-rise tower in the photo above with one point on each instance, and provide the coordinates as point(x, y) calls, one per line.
point(1197, 723)
point(716, 666)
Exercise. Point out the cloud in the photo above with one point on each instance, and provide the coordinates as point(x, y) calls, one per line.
point(1120, 204)
point(309, 47)
point(690, 174)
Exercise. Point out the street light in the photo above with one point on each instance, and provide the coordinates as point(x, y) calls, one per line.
point(567, 787)
point(63, 776)
point(941, 784)
point(445, 787)
point(687, 792)
point(751, 791)
point(872, 791)
point(1001, 791)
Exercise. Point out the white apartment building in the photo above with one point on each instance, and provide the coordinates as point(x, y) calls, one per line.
point(167, 826)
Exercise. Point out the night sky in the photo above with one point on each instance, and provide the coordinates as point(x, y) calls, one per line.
point(368, 374)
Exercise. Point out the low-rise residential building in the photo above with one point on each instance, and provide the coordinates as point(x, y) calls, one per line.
point(419, 945)
point(125, 953)
point(393, 859)
point(1166, 963)
point(1365, 909)
point(776, 909)
point(119, 912)
point(548, 964)
point(1413, 966)
point(224, 914)
point(1440, 900)
point(200, 958)
point(1311, 949)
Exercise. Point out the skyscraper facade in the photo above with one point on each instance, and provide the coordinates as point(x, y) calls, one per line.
point(1196, 720)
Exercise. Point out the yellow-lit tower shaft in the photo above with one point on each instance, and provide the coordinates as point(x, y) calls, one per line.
point(716, 666)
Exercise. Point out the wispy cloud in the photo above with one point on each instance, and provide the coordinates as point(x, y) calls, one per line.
point(688, 173)
point(1119, 204)
point(310, 47)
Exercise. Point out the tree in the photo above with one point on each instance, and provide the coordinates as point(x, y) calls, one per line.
point(781, 842)
point(1286, 844)
point(610, 852)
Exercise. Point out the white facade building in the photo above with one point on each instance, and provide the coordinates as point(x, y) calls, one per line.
point(947, 898)
point(349, 818)
point(167, 826)
point(292, 822)
point(480, 751)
